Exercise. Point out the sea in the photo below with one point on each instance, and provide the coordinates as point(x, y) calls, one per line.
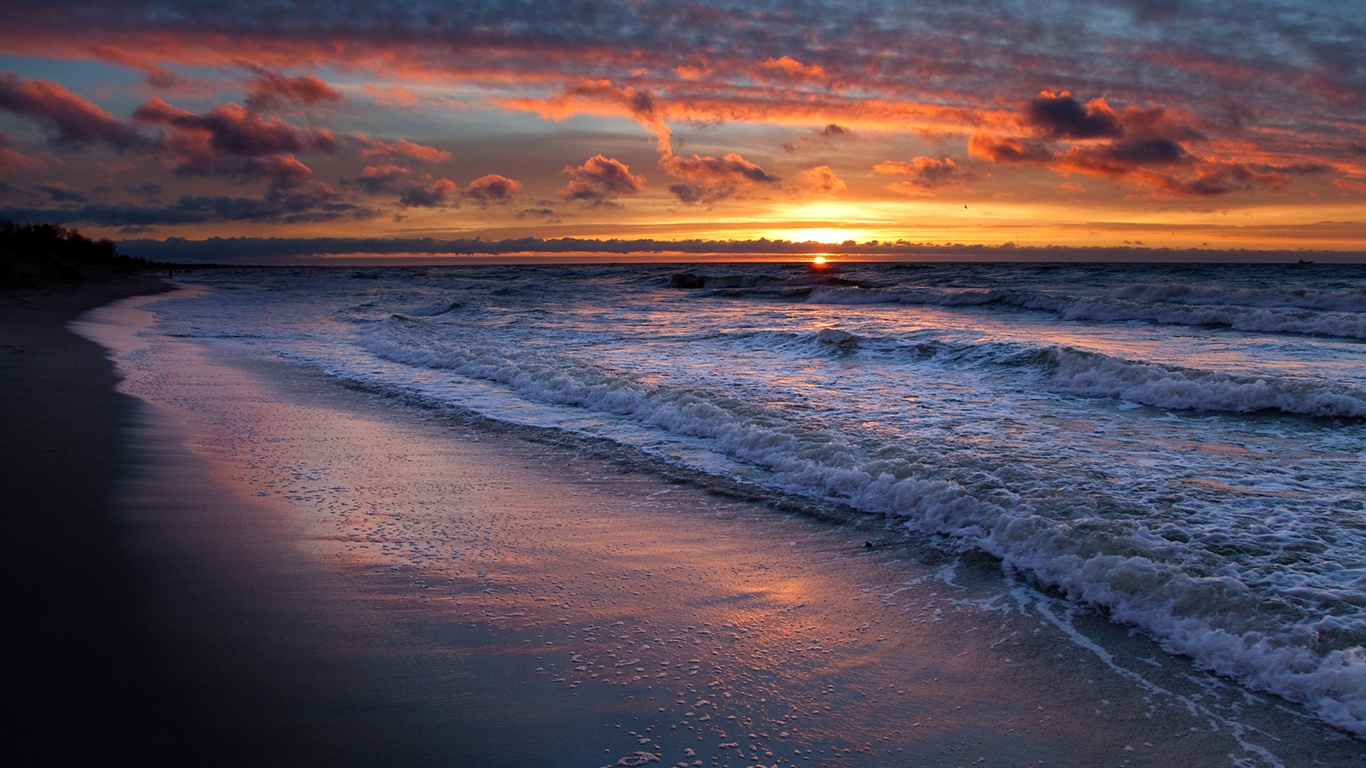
point(1181, 448)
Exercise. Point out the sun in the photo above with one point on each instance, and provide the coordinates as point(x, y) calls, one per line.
point(819, 261)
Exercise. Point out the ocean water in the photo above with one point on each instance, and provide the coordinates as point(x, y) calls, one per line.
point(1181, 447)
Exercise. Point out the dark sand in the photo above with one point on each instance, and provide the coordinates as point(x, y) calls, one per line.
point(79, 684)
point(253, 566)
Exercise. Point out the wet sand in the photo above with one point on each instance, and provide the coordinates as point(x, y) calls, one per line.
point(330, 578)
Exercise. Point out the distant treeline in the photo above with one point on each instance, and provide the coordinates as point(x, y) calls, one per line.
point(61, 242)
point(37, 255)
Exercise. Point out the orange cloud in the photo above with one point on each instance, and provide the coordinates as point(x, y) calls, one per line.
point(710, 179)
point(601, 179)
point(821, 180)
point(926, 175)
point(789, 68)
point(404, 148)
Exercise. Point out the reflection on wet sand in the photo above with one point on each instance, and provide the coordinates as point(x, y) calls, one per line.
point(598, 615)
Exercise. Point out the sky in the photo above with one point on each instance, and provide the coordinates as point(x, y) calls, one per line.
point(1149, 124)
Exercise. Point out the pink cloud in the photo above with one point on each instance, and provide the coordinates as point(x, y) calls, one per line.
point(711, 179)
point(601, 179)
point(14, 161)
point(76, 120)
point(376, 179)
point(403, 148)
point(492, 190)
point(270, 89)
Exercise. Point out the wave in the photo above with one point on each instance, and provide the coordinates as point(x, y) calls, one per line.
point(1296, 642)
point(1348, 300)
point(1072, 371)
point(1334, 316)
point(1079, 372)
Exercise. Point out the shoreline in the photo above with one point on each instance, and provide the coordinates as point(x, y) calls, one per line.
point(79, 682)
point(327, 573)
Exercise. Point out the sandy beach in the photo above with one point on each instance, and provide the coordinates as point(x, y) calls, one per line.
point(240, 562)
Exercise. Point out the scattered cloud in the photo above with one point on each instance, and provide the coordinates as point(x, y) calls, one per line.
point(821, 180)
point(925, 175)
point(403, 148)
point(1059, 116)
point(61, 193)
point(600, 180)
point(427, 193)
point(788, 68)
point(492, 190)
point(271, 89)
point(375, 179)
point(711, 179)
point(75, 120)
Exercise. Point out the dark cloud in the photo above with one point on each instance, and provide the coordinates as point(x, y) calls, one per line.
point(1226, 178)
point(146, 189)
point(427, 193)
point(75, 120)
point(61, 193)
point(1060, 116)
point(601, 179)
point(540, 213)
point(382, 178)
point(1123, 157)
point(197, 209)
point(229, 129)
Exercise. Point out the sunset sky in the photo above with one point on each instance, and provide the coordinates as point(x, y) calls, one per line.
point(1161, 123)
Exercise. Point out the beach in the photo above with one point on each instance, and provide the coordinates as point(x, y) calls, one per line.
point(245, 561)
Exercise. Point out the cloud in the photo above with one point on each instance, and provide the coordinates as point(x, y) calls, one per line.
point(925, 175)
point(1146, 147)
point(76, 121)
point(198, 209)
point(403, 148)
point(824, 137)
point(377, 179)
point(788, 68)
point(14, 161)
point(61, 193)
point(821, 180)
point(601, 97)
point(601, 179)
point(1008, 150)
point(1060, 116)
point(1225, 178)
point(492, 190)
point(711, 179)
point(229, 129)
point(427, 193)
point(270, 89)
